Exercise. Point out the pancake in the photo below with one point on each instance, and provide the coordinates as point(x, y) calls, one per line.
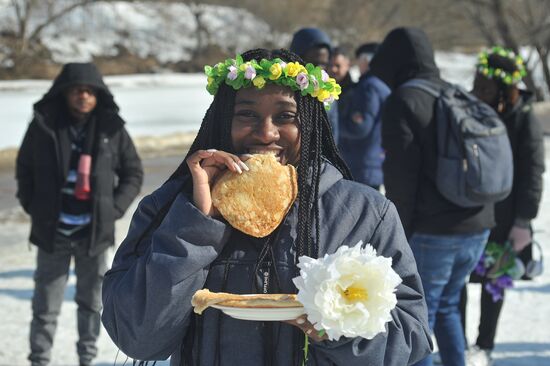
point(204, 298)
point(256, 201)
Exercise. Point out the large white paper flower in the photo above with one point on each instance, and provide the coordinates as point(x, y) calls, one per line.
point(349, 293)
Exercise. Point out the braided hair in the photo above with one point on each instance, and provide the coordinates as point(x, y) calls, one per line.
point(316, 139)
point(316, 144)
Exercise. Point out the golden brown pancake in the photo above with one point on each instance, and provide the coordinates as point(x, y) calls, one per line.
point(256, 201)
point(204, 298)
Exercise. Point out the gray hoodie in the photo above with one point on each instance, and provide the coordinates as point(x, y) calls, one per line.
point(147, 293)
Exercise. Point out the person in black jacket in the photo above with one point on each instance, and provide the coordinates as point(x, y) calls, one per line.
point(314, 46)
point(77, 172)
point(447, 240)
point(496, 82)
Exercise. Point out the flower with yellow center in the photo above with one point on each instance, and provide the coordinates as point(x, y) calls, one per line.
point(349, 293)
point(353, 294)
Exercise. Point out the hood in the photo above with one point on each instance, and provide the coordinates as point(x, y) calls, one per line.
point(307, 38)
point(76, 74)
point(405, 54)
point(525, 101)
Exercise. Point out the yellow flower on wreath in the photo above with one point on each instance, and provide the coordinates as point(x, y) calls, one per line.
point(323, 94)
point(276, 71)
point(292, 69)
point(244, 66)
point(258, 82)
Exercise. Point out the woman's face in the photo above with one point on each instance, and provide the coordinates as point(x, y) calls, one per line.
point(265, 121)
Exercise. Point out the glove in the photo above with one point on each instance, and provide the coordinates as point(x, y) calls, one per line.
point(520, 237)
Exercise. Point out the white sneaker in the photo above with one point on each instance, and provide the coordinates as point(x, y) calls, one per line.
point(437, 358)
point(476, 356)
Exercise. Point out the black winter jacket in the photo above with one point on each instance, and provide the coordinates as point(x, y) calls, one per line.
point(526, 138)
point(409, 140)
point(43, 163)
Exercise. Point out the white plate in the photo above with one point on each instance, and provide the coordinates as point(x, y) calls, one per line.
point(261, 314)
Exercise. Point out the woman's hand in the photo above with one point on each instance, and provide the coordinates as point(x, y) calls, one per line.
point(307, 328)
point(205, 167)
point(520, 237)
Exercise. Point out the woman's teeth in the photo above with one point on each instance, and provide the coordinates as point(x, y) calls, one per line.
point(264, 152)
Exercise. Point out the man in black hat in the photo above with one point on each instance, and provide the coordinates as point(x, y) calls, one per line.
point(77, 172)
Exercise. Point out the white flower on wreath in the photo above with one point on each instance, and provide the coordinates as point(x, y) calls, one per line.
point(349, 293)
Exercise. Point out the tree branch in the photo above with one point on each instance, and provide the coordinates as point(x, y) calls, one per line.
point(36, 32)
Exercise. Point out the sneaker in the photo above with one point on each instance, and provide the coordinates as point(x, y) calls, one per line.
point(476, 356)
point(436, 357)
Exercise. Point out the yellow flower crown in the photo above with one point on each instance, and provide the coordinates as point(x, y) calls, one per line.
point(308, 80)
point(508, 78)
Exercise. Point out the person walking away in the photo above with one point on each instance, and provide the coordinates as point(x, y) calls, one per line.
point(446, 239)
point(77, 172)
point(361, 128)
point(314, 46)
point(498, 73)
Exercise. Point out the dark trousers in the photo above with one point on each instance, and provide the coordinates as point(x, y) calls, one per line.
point(50, 278)
point(488, 320)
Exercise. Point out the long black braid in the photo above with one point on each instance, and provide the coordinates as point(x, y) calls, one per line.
point(317, 143)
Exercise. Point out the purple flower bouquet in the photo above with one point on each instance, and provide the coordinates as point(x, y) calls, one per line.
point(499, 265)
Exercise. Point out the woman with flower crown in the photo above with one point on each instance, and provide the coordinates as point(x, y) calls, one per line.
point(264, 102)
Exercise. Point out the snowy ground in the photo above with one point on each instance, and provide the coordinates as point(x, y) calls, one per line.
point(523, 337)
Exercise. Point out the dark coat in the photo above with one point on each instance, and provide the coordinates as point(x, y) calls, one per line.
point(409, 140)
point(361, 130)
point(43, 163)
point(147, 296)
point(526, 139)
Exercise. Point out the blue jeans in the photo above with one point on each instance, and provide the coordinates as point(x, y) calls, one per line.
point(444, 263)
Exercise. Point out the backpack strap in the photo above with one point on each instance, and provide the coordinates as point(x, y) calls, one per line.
point(424, 85)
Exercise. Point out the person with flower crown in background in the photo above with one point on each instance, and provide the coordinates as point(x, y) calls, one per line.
point(314, 46)
point(499, 71)
point(446, 238)
point(265, 102)
point(77, 173)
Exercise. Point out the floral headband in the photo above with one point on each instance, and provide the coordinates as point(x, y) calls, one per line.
point(308, 80)
point(508, 78)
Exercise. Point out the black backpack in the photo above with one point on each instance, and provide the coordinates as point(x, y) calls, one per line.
point(474, 156)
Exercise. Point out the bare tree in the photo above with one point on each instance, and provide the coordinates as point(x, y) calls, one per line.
point(24, 10)
point(513, 24)
point(202, 34)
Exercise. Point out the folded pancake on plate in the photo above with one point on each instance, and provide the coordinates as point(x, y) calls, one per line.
point(204, 298)
point(256, 201)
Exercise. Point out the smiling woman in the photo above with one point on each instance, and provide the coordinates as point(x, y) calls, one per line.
point(266, 121)
point(265, 102)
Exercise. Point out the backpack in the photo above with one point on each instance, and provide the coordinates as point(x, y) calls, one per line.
point(474, 156)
